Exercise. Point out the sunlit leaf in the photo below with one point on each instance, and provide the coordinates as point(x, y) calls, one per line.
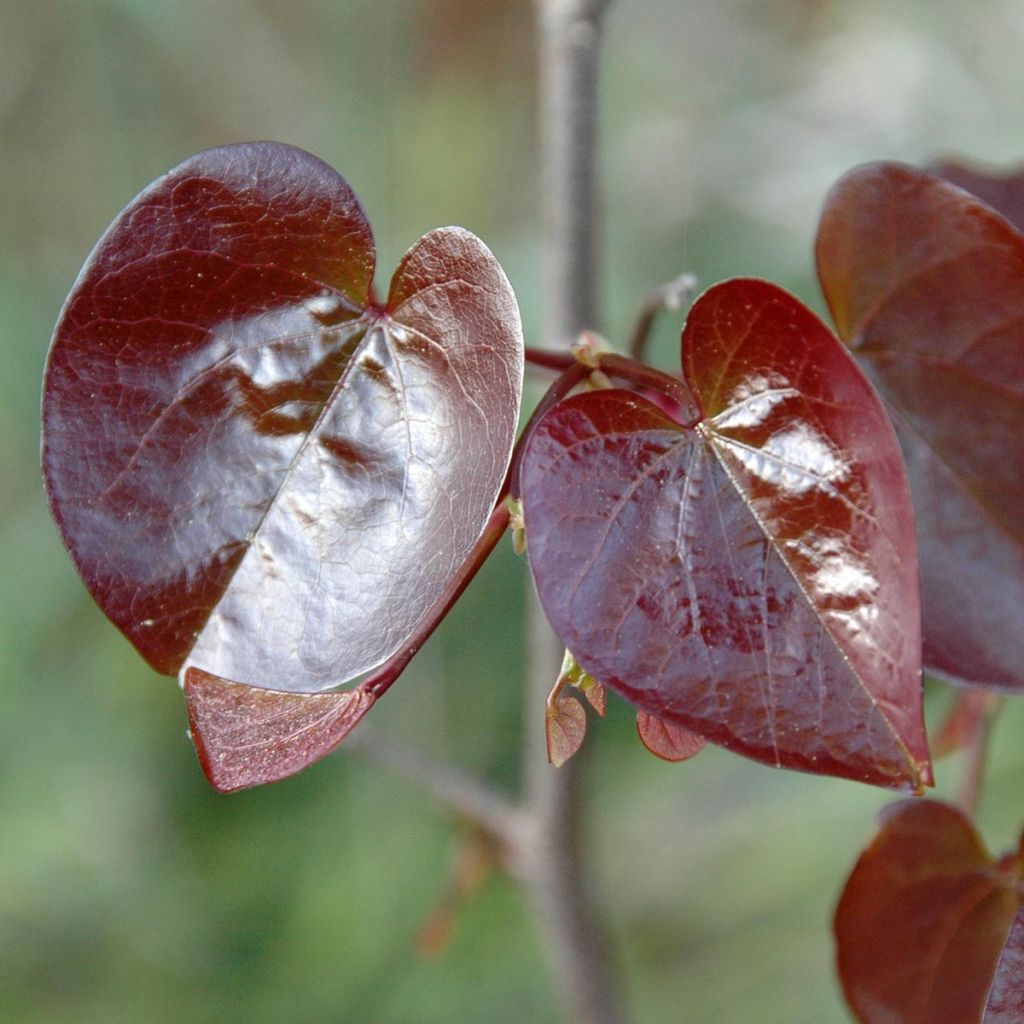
point(666, 740)
point(926, 285)
point(753, 577)
point(258, 470)
point(923, 921)
point(565, 725)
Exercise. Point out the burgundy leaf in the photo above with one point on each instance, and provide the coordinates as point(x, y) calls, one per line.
point(753, 577)
point(1006, 997)
point(258, 470)
point(565, 725)
point(666, 740)
point(1003, 192)
point(923, 920)
point(926, 285)
point(247, 736)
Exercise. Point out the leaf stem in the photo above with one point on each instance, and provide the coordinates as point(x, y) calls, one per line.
point(671, 296)
point(622, 368)
point(548, 359)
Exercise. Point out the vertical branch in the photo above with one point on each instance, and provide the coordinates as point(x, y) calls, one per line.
point(570, 38)
point(977, 753)
point(552, 863)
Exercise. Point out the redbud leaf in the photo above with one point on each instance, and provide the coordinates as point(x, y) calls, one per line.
point(597, 696)
point(565, 725)
point(926, 285)
point(666, 739)
point(751, 577)
point(248, 736)
point(923, 923)
point(260, 471)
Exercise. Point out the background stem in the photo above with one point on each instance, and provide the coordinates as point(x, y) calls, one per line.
point(552, 870)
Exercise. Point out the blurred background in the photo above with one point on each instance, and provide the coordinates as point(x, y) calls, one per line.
point(128, 889)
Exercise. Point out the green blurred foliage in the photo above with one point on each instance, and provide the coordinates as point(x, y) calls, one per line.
point(128, 889)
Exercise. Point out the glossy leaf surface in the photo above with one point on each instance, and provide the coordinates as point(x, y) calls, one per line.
point(926, 284)
point(923, 921)
point(257, 470)
point(751, 577)
point(248, 736)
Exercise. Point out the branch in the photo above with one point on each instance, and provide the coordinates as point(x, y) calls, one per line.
point(977, 755)
point(552, 868)
point(465, 796)
point(672, 296)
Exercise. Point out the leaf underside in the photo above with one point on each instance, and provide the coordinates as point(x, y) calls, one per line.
point(565, 726)
point(247, 736)
point(752, 578)
point(926, 285)
point(922, 925)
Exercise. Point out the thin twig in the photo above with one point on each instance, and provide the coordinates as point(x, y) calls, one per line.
point(464, 795)
point(553, 868)
point(672, 296)
point(977, 757)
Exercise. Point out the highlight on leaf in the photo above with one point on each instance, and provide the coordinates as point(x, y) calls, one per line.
point(261, 472)
point(752, 578)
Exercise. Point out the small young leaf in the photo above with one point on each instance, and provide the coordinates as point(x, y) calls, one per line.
point(260, 471)
point(597, 696)
point(666, 740)
point(923, 922)
point(752, 578)
point(248, 736)
point(926, 285)
point(565, 724)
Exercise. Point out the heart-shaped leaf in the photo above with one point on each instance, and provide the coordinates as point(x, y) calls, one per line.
point(752, 577)
point(922, 926)
point(926, 285)
point(565, 725)
point(260, 471)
